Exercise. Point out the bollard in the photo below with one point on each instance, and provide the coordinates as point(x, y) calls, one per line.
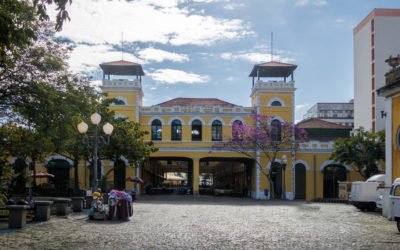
point(17, 216)
point(42, 210)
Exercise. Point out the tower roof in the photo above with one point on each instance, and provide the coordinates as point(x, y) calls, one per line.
point(195, 102)
point(273, 69)
point(122, 67)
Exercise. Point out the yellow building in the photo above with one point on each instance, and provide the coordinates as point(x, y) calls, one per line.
point(185, 130)
point(391, 92)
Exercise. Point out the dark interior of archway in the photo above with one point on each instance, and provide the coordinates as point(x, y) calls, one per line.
point(332, 174)
point(167, 176)
point(230, 177)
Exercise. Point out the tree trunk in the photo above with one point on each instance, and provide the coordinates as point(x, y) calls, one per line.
point(34, 174)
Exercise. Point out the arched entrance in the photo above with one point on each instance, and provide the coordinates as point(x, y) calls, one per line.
point(167, 175)
point(119, 175)
point(276, 180)
point(300, 181)
point(60, 169)
point(225, 176)
point(332, 174)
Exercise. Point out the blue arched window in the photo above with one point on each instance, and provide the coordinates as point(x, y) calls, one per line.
point(156, 130)
point(176, 130)
point(216, 130)
point(196, 130)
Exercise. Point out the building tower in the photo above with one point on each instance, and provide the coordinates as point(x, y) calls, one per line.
point(375, 39)
point(274, 96)
point(122, 80)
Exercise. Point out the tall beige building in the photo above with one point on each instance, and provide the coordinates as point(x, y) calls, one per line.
point(376, 38)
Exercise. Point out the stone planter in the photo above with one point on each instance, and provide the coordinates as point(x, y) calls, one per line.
point(42, 210)
point(17, 216)
point(61, 206)
point(77, 204)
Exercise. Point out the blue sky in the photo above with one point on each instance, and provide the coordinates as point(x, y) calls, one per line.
point(207, 48)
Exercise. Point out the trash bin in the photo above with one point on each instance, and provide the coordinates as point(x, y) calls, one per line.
point(266, 192)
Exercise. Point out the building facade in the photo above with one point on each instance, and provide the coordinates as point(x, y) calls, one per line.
point(186, 130)
point(339, 113)
point(391, 93)
point(375, 38)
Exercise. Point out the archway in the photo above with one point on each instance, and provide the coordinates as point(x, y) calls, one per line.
point(276, 180)
point(300, 181)
point(119, 175)
point(60, 169)
point(333, 173)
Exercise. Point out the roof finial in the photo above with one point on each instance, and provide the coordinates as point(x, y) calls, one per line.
point(122, 46)
point(272, 46)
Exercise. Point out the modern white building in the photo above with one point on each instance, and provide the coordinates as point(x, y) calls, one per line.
point(376, 38)
point(340, 113)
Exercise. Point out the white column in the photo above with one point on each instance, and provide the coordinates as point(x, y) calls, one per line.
point(386, 210)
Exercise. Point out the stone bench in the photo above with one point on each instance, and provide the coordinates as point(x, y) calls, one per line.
point(17, 216)
point(77, 204)
point(42, 210)
point(61, 206)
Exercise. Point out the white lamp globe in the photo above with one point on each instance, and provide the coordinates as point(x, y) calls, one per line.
point(108, 128)
point(95, 119)
point(284, 159)
point(82, 127)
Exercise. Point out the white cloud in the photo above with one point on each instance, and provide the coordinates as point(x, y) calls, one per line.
point(254, 57)
point(301, 106)
point(103, 21)
point(172, 76)
point(156, 55)
point(339, 20)
point(233, 6)
point(86, 58)
point(311, 2)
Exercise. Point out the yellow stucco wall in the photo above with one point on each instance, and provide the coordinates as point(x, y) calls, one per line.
point(395, 129)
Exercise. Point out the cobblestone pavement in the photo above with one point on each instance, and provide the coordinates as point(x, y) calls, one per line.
point(185, 222)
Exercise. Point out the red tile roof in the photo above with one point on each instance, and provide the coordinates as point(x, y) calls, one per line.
point(196, 102)
point(318, 123)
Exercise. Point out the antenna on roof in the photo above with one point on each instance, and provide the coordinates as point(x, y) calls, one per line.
point(122, 46)
point(272, 46)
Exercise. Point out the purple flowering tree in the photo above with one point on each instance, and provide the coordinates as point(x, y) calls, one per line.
point(267, 135)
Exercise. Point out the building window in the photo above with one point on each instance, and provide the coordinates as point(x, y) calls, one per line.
point(372, 39)
point(373, 68)
point(276, 130)
point(276, 104)
point(237, 130)
point(176, 130)
point(216, 131)
point(373, 83)
point(372, 25)
point(156, 130)
point(196, 130)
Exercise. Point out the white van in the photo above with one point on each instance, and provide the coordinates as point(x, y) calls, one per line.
point(394, 198)
point(364, 195)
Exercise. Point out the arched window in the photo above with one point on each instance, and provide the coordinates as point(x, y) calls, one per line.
point(156, 130)
point(216, 131)
point(237, 130)
point(276, 130)
point(196, 130)
point(276, 104)
point(176, 130)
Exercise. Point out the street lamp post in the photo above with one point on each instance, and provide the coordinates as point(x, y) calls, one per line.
point(283, 165)
point(96, 141)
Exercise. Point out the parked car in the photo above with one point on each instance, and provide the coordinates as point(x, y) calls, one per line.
point(364, 195)
point(394, 197)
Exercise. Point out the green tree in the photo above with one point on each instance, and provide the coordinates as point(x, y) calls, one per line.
point(362, 151)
